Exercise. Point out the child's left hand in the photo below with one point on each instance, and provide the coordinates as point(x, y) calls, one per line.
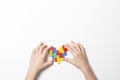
point(38, 60)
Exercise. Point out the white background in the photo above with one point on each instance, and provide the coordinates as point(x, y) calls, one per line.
point(94, 23)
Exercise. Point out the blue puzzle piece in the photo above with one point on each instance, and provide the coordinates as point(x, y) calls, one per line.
point(64, 54)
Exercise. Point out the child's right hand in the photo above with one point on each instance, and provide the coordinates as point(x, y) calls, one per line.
point(79, 56)
point(80, 60)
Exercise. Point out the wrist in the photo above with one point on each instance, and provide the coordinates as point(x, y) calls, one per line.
point(32, 70)
point(88, 72)
point(31, 74)
point(85, 67)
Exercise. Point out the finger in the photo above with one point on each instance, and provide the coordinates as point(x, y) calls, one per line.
point(83, 52)
point(76, 46)
point(41, 43)
point(37, 48)
point(73, 49)
point(45, 52)
point(68, 60)
point(70, 49)
point(81, 47)
point(33, 52)
point(49, 63)
point(42, 48)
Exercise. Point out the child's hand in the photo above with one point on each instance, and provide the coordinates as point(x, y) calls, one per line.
point(39, 57)
point(80, 60)
point(79, 56)
point(38, 61)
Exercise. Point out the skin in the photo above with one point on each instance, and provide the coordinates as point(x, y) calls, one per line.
point(40, 54)
point(38, 61)
point(80, 60)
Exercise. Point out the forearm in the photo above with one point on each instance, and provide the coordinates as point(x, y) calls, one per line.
point(31, 74)
point(89, 74)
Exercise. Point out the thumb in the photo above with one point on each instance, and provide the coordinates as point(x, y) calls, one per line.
point(68, 60)
point(48, 63)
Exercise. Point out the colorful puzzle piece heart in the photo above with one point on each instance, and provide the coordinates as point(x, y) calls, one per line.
point(57, 55)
